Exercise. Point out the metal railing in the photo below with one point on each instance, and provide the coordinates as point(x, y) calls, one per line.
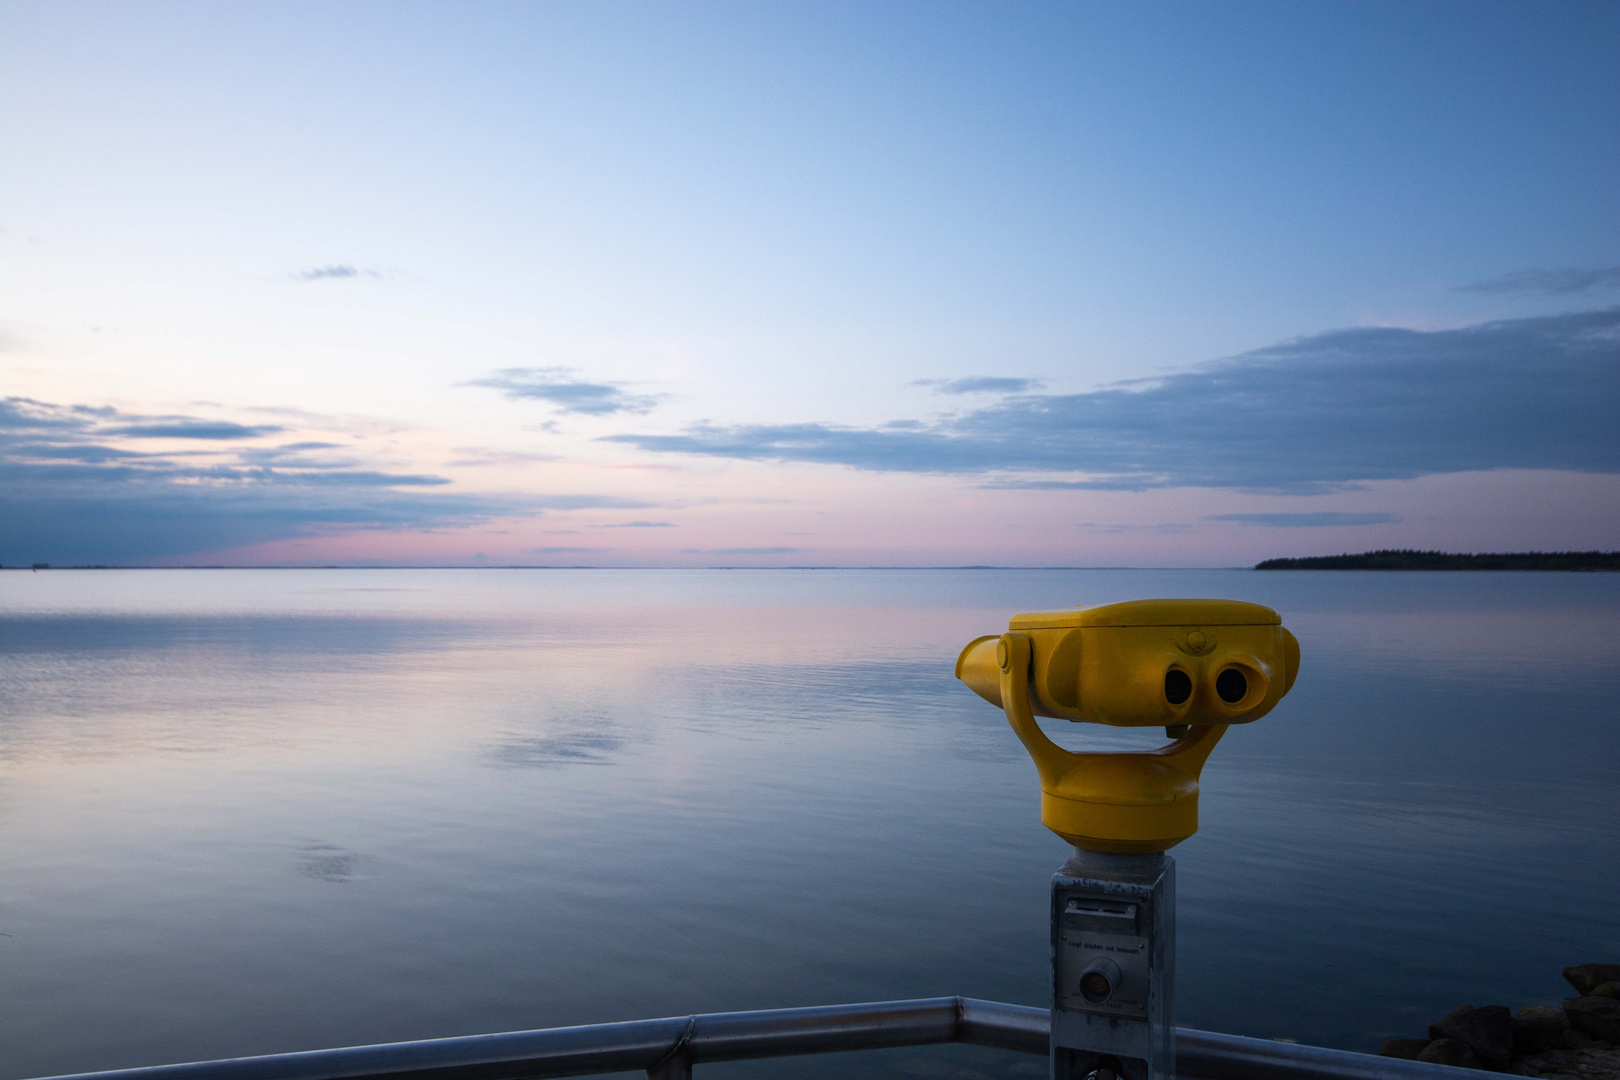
point(668, 1048)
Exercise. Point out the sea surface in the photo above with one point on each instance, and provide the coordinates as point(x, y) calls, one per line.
point(244, 812)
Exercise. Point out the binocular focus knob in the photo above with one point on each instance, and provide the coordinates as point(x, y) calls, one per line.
point(1099, 981)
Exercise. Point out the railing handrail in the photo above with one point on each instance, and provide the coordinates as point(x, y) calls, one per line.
point(670, 1046)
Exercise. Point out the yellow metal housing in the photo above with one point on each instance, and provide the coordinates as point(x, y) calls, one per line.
point(1191, 666)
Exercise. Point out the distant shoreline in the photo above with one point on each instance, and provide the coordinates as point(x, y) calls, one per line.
point(1580, 561)
point(24, 567)
point(1406, 559)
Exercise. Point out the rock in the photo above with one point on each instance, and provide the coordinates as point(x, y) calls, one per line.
point(1598, 1017)
point(1488, 1031)
point(1588, 977)
point(1542, 1064)
point(1537, 1028)
point(1608, 989)
point(1405, 1048)
point(1593, 1063)
point(1597, 1064)
point(1450, 1052)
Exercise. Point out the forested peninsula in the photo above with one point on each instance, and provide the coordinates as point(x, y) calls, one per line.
point(1406, 559)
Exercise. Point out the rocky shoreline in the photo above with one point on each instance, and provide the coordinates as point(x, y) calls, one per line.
point(1579, 1041)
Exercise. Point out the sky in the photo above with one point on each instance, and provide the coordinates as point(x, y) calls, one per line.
point(766, 284)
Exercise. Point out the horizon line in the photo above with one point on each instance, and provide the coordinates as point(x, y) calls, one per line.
point(585, 566)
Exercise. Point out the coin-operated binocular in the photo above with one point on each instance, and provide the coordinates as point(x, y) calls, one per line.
point(1190, 666)
point(1193, 667)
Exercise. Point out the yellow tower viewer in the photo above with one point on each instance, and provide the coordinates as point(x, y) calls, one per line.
point(1192, 666)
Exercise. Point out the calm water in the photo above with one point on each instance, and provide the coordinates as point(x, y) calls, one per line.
point(254, 811)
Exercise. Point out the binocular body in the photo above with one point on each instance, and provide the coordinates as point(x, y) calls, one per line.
point(1191, 666)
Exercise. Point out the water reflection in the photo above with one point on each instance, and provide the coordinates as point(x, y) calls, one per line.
point(586, 745)
point(245, 813)
point(328, 862)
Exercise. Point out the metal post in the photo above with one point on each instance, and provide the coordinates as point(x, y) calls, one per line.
point(675, 1067)
point(751, 1036)
point(1113, 967)
point(676, 1062)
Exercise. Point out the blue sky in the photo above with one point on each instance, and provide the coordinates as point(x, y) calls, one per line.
point(908, 283)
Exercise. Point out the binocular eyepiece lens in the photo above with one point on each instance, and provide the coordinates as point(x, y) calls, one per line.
point(1177, 686)
point(1231, 686)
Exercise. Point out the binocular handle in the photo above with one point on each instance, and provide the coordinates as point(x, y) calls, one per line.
point(1014, 655)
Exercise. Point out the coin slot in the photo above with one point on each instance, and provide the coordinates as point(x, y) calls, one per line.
point(1100, 908)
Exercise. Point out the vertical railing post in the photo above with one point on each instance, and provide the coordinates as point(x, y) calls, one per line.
point(676, 1064)
point(674, 1067)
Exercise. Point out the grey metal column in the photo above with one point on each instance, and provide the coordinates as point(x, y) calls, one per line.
point(1113, 967)
point(676, 1062)
point(677, 1067)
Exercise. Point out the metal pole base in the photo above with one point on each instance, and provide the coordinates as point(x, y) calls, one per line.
point(1113, 967)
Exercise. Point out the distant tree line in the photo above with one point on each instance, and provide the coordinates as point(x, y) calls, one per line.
point(1409, 559)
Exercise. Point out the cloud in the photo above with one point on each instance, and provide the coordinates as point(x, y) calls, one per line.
point(1165, 528)
point(477, 457)
point(1549, 282)
point(1317, 414)
point(124, 525)
point(740, 551)
point(587, 502)
point(637, 525)
point(86, 452)
point(1312, 519)
point(31, 415)
point(193, 429)
point(566, 550)
point(353, 478)
point(983, 384)
point(73, 494)
point(558, 387)
point(335, 271)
